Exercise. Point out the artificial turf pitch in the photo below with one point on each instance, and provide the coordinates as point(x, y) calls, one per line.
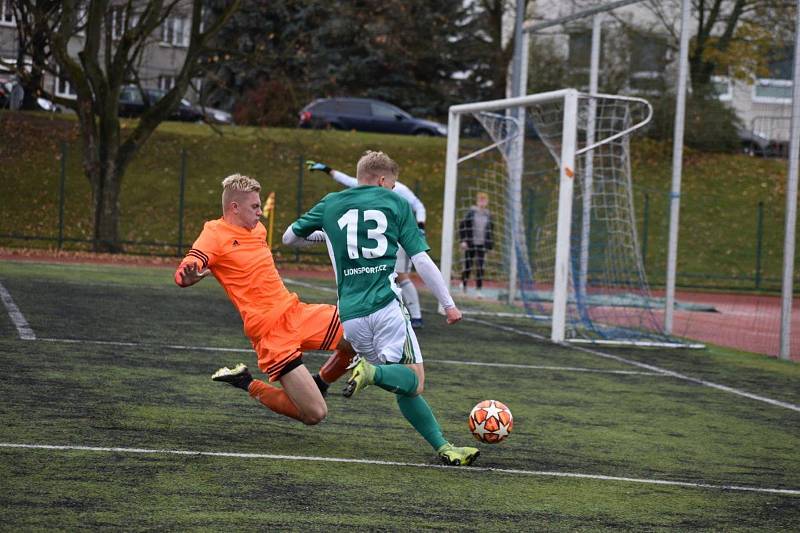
point(94, 411)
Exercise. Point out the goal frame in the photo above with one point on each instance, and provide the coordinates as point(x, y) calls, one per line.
point(569, 152)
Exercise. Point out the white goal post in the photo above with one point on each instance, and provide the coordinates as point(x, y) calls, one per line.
point(586, 137)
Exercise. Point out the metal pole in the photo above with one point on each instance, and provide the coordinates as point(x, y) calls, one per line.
point(791, 202)
point(61, 188)
point(532, 26)
point(646, 228)
point(588, 180)
point(759, 240)
point(563, 226)
point(181, 198)
point(516, 63)
point(515, 159)
point(300, 167)
point(530, 223)
point(677, 168)
point(449, 209)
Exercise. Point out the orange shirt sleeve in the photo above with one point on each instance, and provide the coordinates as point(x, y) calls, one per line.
point(203, 252)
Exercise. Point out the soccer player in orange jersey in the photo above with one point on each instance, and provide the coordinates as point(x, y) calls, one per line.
point(234, 249)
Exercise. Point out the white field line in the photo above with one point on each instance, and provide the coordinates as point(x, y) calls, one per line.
point(276, 457)
point(543, 367)
point(23, 328)
point(652, 368)
point(326, 354)
point(309, 285)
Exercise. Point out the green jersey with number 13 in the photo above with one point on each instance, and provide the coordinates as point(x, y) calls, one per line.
point(364, 226)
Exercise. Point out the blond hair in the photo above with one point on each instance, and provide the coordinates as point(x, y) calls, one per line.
point(236, 184)
point(373, 165)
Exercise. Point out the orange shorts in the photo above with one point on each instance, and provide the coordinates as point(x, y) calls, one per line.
point(301, 327)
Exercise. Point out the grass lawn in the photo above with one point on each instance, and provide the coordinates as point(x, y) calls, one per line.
point(718, 222)
point(108, 419)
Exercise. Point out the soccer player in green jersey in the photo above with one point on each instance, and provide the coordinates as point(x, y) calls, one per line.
point(363, 227)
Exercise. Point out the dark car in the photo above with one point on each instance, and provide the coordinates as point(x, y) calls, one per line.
point(133, 103)
point(755, 143)
point(364, 114)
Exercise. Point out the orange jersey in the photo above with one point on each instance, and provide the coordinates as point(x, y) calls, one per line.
point(242, 262)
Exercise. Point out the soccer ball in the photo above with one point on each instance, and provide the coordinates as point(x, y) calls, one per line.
point(490, 421)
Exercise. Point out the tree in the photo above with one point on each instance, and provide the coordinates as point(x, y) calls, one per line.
point(266, 47)
point(33, 51)
point(732, 37)
point(115, 39)
point(402, 51)
point(486, 48)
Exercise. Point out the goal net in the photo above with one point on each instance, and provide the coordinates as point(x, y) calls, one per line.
point(538, 214)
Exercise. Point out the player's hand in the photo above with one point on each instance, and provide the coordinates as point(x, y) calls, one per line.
point(452, 314)
point(316, 166)
point(464, 245)
point(191, 275)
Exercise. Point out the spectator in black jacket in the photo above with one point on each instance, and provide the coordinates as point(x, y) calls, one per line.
point(476, 233)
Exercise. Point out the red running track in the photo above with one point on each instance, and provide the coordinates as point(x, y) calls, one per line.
point(751, 323)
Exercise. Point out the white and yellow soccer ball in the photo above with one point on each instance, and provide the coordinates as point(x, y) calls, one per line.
point(490, 421)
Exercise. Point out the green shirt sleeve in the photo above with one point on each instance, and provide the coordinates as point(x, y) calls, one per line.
point(311, 220)
point(410, 238)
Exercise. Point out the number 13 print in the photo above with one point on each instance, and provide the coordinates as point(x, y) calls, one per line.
point(350, 221)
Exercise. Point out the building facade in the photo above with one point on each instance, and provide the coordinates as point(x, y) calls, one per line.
point(162, 57)
point(639, 56)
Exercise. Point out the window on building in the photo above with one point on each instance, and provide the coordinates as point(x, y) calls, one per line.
point(117, 22)
point(648, 62)
point(772, 91)
point(7, 14)
point(776, 88)
point(64, 88)
point(175, 31)
point(166, 82)
point(80, 22)
point(580, 50)
point(722, 87)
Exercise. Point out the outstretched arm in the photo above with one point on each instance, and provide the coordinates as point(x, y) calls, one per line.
point(416, 204)
point(290, 238)
point(432, 277)
point(344, 179)
point(341, 177)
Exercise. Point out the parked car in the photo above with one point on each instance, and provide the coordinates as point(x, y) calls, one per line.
point(216, 116)
point(43, 104)
point(755, 143)
point(365, 114)
point(133, 103)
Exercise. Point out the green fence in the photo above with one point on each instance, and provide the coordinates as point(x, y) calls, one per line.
point(722, 246)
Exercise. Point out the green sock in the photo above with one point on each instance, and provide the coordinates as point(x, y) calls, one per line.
point(418, 412)
point(398, 379)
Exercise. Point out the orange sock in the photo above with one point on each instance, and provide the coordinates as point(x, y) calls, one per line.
point(336, 366)
point(273, 398)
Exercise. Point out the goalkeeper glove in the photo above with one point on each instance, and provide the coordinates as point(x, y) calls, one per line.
point(321, 167)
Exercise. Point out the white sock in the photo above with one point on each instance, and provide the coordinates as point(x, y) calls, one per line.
point(411, 298)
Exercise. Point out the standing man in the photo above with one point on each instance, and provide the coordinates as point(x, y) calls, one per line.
point(365, 226)
point(279, 325)
point(476, 233)
point(403, 265)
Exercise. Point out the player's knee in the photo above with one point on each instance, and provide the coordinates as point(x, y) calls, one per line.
point(315, 416)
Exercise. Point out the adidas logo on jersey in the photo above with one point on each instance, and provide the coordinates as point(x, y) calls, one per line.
point(235, 242)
